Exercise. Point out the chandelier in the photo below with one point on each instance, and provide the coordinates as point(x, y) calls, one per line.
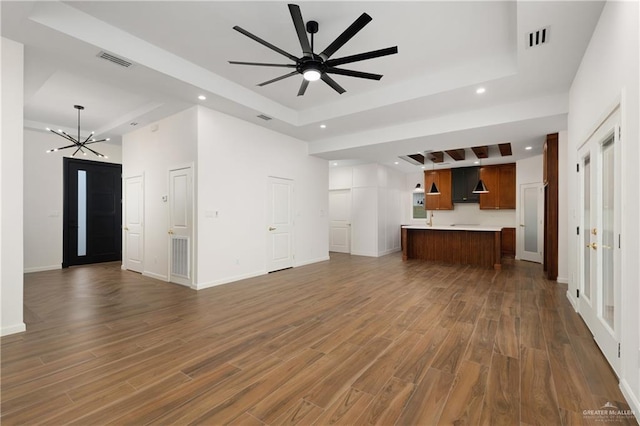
point(79, 144)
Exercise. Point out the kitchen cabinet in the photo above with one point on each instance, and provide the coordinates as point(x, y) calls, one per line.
point(464, 180)
point(442, 179)
point(500, 180)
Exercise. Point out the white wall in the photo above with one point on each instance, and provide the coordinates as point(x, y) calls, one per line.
point(376, 208)
point(173, 143)
point(462, 213)
point(11, 154)
point(608, 74)
point(43, 177)
point(235, 159)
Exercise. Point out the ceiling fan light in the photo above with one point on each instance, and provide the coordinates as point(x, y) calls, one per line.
point(311, 75)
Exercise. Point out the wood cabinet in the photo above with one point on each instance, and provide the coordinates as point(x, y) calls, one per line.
point(442, 179)
point(508, 242)
point(464, 180)
point(500, 180)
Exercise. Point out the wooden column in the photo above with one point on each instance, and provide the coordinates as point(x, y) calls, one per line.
point(550, 177)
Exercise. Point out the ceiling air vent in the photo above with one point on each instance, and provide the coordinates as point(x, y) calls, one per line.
point(538, 38)
point(115, 59)
point(264, 117)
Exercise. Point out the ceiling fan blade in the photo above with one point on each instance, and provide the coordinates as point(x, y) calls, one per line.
point(362, 56)
point(261, 64)
point(353, 29)
point(303, 87)
point(352, 73)
point(298, 22)
point(265, 43)
point(282, 77)
point(331, 82)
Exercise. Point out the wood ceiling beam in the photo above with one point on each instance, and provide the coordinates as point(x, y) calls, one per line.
point(436, 157)
point(481, 151)
point(418, 157)
point(456, 154)
point(505, 149)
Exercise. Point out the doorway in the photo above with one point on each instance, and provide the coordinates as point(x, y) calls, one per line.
point(92, 212)
point(340, 220)
point(279, 224)
point(599, 236)
point(531, 230)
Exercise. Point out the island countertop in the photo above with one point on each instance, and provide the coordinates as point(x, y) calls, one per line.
point(462, 244)
point(485, 228)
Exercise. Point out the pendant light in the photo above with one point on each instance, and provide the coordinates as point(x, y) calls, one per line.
point(418, 189)
point(480, 188)
point(433, 190)
point(78, 143)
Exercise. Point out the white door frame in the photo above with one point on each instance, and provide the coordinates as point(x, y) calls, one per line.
point(520, 238)
point(126, 262)
point(593, 242)
point(345, 227)
point(172, 232)
point(276, 228)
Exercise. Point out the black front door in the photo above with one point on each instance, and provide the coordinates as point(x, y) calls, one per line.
point(92, 212)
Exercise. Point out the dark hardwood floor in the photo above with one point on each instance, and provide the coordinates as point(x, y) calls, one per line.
point(354, 340)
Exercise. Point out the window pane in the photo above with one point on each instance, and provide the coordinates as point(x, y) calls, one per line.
point(531, 220)
point(586, 226)
point(82, 213)
point(608, 210)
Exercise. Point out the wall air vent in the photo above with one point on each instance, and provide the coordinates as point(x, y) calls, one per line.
point(538, 38)
point(264, 117)
point(115, 59)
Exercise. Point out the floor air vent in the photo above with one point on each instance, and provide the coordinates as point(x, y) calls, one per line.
point(538, 38)
point(115, 59)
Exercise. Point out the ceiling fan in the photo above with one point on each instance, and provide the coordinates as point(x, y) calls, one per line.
point(314, 66)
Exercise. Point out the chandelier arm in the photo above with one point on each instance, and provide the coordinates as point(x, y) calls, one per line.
point(68, 146)
point(87, 143)
point(95, 152)
point(74, 152)
point(66, 136)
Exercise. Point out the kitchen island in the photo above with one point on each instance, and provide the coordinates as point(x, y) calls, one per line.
point(460, 244)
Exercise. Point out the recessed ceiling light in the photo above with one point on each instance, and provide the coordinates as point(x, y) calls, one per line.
point(335, 164)
point(528, 148)
point(422, 167)
point(202, 97)
point(480, 90)
point(323, 126)
point(476, 162)
point(395, 162)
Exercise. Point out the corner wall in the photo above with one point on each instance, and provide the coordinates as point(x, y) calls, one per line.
point(11, 178)
point(43, 197)
point(235, 159)
point(608, 75)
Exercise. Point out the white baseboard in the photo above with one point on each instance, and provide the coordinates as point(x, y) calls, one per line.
point(572, 300)
point(386, 252)
point(562, 280)
point(201, 286)
point(42, 268)
point(632, 399)
point(309, 262)
point(357, 253)
point(13, 329)
point(156, 276)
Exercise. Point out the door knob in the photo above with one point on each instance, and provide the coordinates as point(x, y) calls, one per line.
point(594, 231)
point(594, 246)
point(522, 225)
point(170, 232)
point(271, 228)
point(126, 229)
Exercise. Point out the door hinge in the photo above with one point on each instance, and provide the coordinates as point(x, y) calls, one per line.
point(578, 293)
point(618, 350)
point(619, 241)
point(619, 133)
point(577, 230)
point(578, 167)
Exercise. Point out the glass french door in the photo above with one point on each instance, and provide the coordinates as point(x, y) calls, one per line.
point(599, 179)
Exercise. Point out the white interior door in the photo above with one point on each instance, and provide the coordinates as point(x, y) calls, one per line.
point(279, 224)
point(599, 242)
point(134, 223)
point(531, 230)
point(340, 221)
point(180, 225)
